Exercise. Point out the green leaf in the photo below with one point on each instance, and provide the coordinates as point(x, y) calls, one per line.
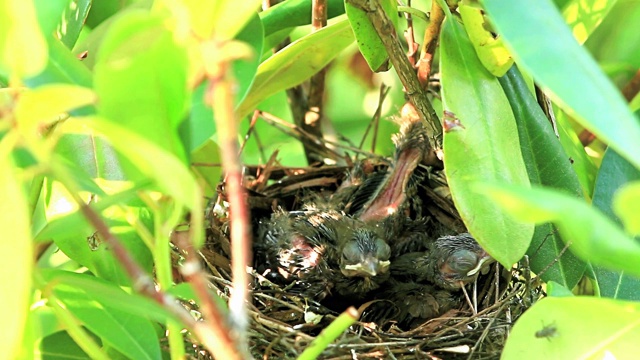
point(593, 237)
point(62, 67)
point(610, 330)
point(584, 17)
point(484, 147)
point(222, 19)
point(17, 246)
point(23, 48)
point(367, 37)
point(542, 43)
point(73, 20)
point(614, 173)
point(137, 90)
point(205, 156)
point(296, 63)
point(60, 346)
point(131, 334)
point(547, 164)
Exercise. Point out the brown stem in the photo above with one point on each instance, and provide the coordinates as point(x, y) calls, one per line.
point(221, 97)
point(212, 334)
point(385, 29)
point(409, 36)
point(430, 41)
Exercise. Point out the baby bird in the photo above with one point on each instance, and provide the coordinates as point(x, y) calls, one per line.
point(450, 262)
point(326, 250)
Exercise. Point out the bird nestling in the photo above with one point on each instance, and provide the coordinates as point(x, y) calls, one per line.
point(326, 250)
point(450, 262)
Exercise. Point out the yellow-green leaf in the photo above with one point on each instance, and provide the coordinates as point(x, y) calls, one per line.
point(626, 204)
point(23, 49)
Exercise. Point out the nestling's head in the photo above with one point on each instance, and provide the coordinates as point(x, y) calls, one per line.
point(365, 255)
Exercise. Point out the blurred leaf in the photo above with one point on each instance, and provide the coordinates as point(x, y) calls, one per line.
point(547, 164)
point(557, 290)
point(89, 156)
point(23, 48)
point(40, 107)
point(222, 19)
point(610, 331)
point(583, 17)
point(148, 96)
point(614, 173)
point(49, 14)
point(626, 204)
point(60, 346)
point(490, 50)
point(292, 13)
point(131, 334)
point(593, 237)
point(73, 20)
point(476, 99)
point(165, 170)
point(296, 63)
point(62, 67)
point(542, 43)
point(367, 38)
point(616, 40)
point(17, 263)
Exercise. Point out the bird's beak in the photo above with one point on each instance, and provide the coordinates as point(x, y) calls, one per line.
point(368, 267)
point(487, 259)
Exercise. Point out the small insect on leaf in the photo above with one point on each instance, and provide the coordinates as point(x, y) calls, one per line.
point(547, 331)
point(451, 122)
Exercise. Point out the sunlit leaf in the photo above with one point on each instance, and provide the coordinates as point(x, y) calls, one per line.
point(583, 17)
point(296, 63)
point(484, 147)
point(557, 328)
point(62, 67)
point(547, 164)
point(542, 43)
point(593, 236)
point(73, 20)
point(23, 48)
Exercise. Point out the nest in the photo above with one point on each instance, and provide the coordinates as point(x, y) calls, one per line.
point(283, 323)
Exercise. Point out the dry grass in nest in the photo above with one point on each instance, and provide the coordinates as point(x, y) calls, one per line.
point(282, 325)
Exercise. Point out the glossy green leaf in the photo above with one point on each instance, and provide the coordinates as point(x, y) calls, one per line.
point(547, 164)
point(484, 147)
point(593, 236)
point(614, 173)
point(367, 38)
point(292, 13)
point(131, 334)
point(583, 17)
point(23, 48)
point(626, 204)
point(73, 20)
point(543, 45)
point(558, 328)
point(16, 266)
point(91, 157)
point(136, 90)
point(49, 14)
point(296, 63)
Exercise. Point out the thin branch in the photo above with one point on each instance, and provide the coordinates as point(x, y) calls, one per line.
point(431, 35)
point(220, 96)
point(385, 29)
point(314, 112)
